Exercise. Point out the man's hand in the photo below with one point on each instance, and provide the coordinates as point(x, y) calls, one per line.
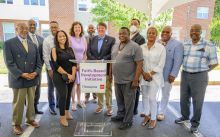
point(26, 76)
point(171, 79)
point(50, 73)
point(134, 84)
point(33, 75)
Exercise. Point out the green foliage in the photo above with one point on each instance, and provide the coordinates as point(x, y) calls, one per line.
point(215, 25)
point(1, 45)
point(120, 15)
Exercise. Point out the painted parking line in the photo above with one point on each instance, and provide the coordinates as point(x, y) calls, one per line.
point(30, 129)
point(187, 125)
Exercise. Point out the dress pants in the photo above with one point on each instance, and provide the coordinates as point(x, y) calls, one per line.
point(193, 85)
point(108, 95)
point(63, 91)
point(165, 97)
point(37, 92)
point(125, 97)
point(20, 95)
point(149, 98)
point(137, 100)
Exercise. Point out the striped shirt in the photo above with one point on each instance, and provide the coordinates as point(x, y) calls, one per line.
point(197, 58)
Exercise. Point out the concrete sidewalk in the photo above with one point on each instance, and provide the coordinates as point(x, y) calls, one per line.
point(214, 79)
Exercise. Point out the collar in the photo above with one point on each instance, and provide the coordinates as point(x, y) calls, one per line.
point(21, 39)
point(31, 34)
point(101, 38)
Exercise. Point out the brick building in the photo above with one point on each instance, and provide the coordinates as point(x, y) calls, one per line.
point(196, 12)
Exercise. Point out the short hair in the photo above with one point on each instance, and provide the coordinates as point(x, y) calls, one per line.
point(102, 24)
point(56, 39)
point(136, 20)
point(154, 28)
point(72, 33)
point(126, 28)
point(53, 21)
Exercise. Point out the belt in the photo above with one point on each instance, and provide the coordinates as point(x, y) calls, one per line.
point(194, 72)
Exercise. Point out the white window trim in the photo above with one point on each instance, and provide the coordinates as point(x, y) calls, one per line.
point(3, 23)
point(202, 17)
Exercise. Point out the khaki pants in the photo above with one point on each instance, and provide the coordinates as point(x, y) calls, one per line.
point(18, 104)
point(108, 95)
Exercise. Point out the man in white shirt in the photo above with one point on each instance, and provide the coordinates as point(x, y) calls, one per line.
point(47, 46)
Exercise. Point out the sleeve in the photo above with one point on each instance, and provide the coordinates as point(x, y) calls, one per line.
point(107, 57)
point(9, 61)
point(161, 63)
point(138, 55)
point(46, 54)
point(178, 59)
point(213, 58)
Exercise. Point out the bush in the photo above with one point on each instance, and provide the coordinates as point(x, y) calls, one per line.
point(1, 45)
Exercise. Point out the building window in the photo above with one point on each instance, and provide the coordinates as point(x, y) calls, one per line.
point(8, 31)
point(34, 2)
point(6, 1)
point(202, 12)
point(45, 30)
point(84, 5)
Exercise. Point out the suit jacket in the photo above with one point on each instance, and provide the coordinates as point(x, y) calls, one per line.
point(40, 46)
point(174, 58)
point(138, 39)
point(105, 52)
point(19, 61)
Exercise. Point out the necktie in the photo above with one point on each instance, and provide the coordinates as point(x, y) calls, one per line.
point(34, 39)
point(24, 42)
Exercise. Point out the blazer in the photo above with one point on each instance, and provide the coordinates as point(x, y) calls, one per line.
point(40, 46)
point(138, 39)
point(174, 58)
point(105, 52)
point(19, 61)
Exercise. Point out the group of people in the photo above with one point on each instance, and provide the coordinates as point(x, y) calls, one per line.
point(140, 67)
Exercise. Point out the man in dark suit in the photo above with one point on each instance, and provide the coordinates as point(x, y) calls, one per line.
point(136, 37)
point(23, 62)
point(38, 41)
point(99, 48)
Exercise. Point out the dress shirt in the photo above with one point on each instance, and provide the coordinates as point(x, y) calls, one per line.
point(100, 42)
point(48, 44)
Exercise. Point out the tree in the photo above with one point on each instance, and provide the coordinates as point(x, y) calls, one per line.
point(215, 25)
point(120, 15)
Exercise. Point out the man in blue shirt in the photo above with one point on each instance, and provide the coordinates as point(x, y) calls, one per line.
point(200, 57)
point(174, 58)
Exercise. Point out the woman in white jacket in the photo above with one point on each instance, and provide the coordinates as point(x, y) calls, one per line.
point(154, 59)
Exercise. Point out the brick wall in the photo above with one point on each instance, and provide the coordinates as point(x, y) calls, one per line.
point(186, 15)
point(62, 11)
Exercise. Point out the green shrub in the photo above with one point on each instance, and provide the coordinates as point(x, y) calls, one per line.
point(1, 45)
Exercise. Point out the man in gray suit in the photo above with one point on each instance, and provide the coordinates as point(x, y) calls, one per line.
point(38, 41)
point(174, 59)
point(23, 62)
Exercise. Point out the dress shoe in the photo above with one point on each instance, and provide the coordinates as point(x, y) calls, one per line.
point(152, 124)
point(142, 115)
point(160, 117)
point(125, 125)
point(116, 119)
point(32, 123)
point(63, 121)
point(68, 115)
point(17, 130)
point(146, 120)
point(52, 111)
point(37, 111)
point(181, 120)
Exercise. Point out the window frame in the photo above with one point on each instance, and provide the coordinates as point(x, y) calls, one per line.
point(202, 15)
point(6, 29)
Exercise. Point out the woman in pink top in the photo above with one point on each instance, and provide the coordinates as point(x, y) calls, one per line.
point(79, 46)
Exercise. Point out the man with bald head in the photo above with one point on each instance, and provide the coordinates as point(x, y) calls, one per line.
point(38, 41)
point(22, 59)
point(174, 58)
point(200, 57)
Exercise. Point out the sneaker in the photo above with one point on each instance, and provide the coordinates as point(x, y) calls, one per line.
point(181, 120)
point(116, 119)
point(98, 110)
point(52, 111)
point(109, 112)
point(160, 117)
point(74, 106)
point(194, 129)
point(125, 125)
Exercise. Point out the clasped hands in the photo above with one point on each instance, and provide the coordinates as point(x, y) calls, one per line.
point(147, 76)
point(29, 76)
